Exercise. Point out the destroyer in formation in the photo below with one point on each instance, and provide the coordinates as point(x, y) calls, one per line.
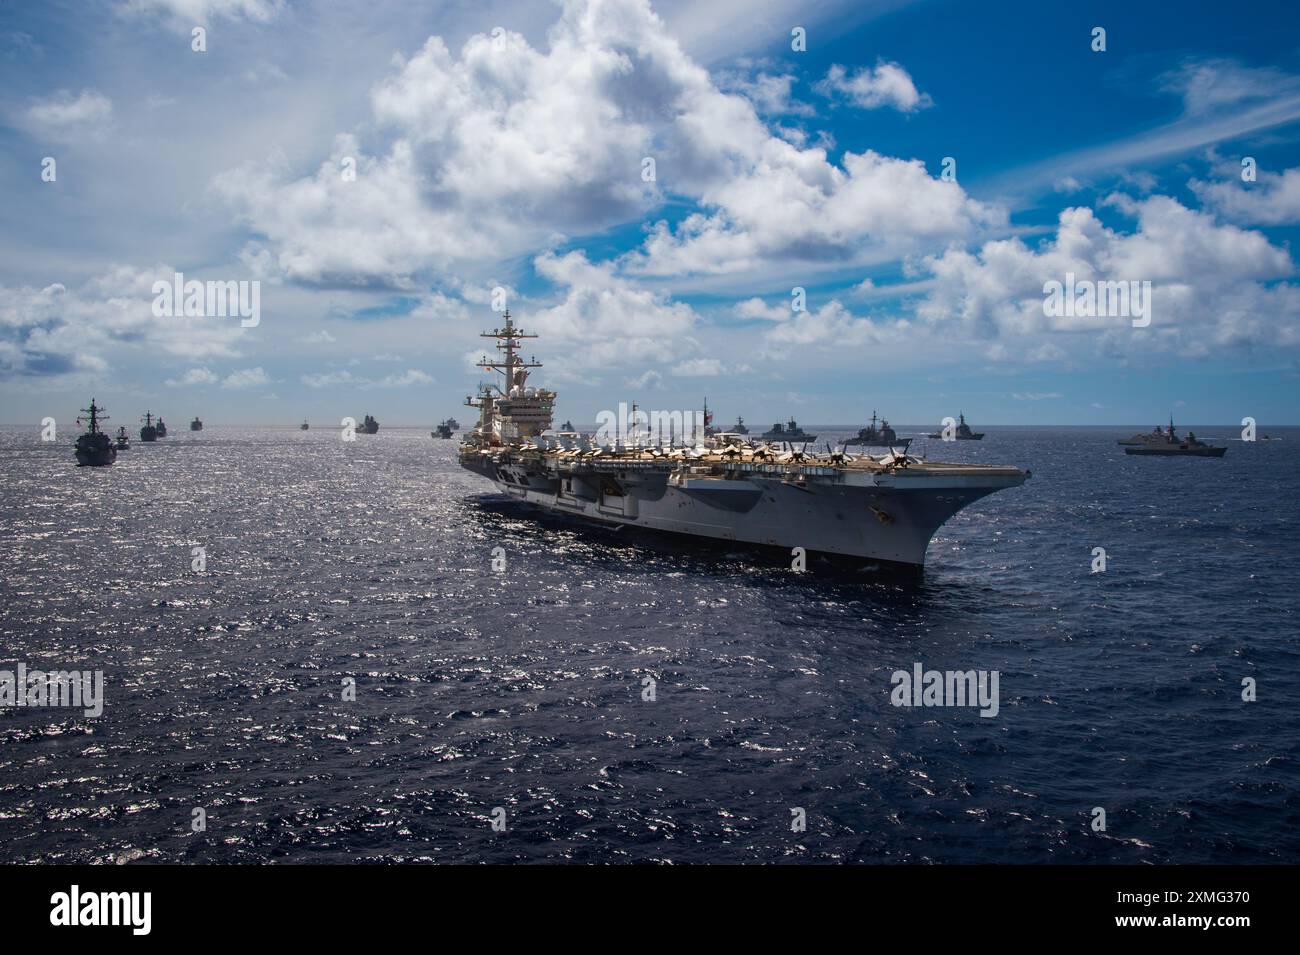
point(878, 509)
point(963, 431)
point(94, 448)
point(878, 437)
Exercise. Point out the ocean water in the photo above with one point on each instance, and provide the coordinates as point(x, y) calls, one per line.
point(523, 691)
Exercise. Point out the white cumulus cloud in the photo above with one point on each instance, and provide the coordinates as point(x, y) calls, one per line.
point(886, 84)
point(501, 149)
point(56, 329)
point(604, 319)
point(1213, 285)
point(1273, 199)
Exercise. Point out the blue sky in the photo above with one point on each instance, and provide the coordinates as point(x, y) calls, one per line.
point(502, 145)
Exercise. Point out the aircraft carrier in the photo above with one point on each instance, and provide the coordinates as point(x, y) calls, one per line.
point(881, 510)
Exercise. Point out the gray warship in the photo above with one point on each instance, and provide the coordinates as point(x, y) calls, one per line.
point(368, 426)
point(160, 427)
point(963, 432)
point(94, 448)
point(878, 437)
point(123, 442)
point(878, 510)
point(196, 424)
point(789, 432)
point(150, 431)
point(1167, 444)
point(443, 430)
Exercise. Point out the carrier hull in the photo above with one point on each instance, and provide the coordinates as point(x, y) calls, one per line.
point(886, 517)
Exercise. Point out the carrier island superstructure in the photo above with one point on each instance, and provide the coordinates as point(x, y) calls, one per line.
point(879, 509)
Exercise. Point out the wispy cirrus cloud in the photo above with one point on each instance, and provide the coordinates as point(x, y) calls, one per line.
point(242, 379)
point(345, 379)
point(1210, 85)
point(65, 116)
point(193, 378)
point(182, 15)
point(246, 378)
point(1222, 101)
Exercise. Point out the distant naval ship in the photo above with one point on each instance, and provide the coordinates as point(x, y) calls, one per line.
point(150, 431)
point(878, 437)
point(304, 426)
point(161, 428)
point(94, 448)
point(881, 510)
point(963, 432)
point(443, 430)
point(709, 429)
point(368, 426)
point(1160, 443)
point(123, 442)
point(196, 424)
point(789, 432)
point(739, 427)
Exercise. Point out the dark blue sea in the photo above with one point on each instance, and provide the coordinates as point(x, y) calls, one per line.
point(523, 690)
